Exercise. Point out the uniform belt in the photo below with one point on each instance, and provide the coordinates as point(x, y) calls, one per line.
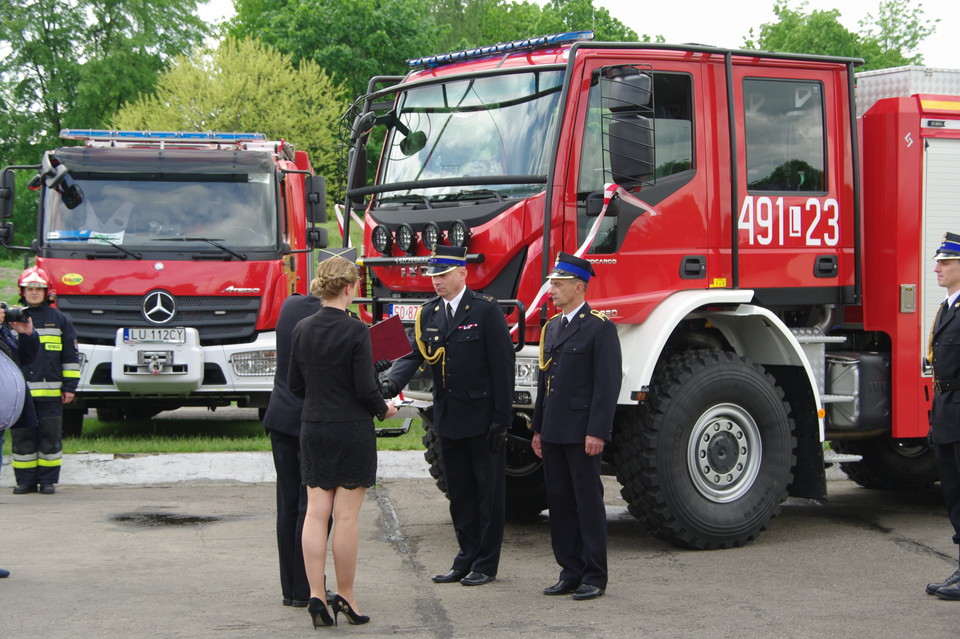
point(946, 385)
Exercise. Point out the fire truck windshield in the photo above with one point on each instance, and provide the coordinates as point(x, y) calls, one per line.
point(492, 126)
point(238, 210)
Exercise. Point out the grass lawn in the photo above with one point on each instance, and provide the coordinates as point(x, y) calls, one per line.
point(169, 435)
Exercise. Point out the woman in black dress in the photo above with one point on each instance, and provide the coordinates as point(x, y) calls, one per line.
point(331, 368)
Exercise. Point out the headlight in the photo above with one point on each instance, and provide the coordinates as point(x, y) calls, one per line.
point(527, 370)
point(254, 363)
point(405, 237)
point(431, 235)
point(459, 234)
point(382, 239)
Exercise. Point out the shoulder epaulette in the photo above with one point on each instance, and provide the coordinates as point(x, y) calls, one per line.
point(597, 313)
point(484, 297)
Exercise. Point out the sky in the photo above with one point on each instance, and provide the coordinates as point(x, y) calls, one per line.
point(726, 24)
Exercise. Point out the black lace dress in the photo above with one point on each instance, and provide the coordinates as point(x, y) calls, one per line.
point(332, 369)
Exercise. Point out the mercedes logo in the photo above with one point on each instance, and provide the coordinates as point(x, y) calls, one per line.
point(159, 307)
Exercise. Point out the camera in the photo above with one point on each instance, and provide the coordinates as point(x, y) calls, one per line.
point(15, 314)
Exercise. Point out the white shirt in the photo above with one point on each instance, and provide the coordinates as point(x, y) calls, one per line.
point(455, 302)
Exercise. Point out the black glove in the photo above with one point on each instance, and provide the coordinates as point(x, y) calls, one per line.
point(496, 436)
point(389, 389)
point(381, 365)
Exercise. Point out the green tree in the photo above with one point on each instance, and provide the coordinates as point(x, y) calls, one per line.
point(243, 85)
point(885, 41)
point(71, 63)
point(352, 40)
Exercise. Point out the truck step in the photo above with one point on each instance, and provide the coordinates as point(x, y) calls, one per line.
point(836, 399)
point(831, 457)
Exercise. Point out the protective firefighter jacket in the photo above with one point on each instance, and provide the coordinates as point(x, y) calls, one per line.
point(56, 369)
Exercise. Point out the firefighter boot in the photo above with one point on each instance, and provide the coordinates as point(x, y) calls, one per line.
point(950, 582)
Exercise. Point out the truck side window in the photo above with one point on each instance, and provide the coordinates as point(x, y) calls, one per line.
point(783, 122)
point(673, 136)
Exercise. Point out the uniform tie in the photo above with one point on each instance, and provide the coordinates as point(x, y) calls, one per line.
point(563, 322)
point(449, 315)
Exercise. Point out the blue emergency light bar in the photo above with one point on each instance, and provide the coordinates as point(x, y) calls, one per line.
point(156, 136)
point(528, 44)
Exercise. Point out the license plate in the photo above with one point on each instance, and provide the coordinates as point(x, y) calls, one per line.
point(154, 336)
point(407, 312)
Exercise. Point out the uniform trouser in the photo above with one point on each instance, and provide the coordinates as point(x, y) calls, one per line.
point(948, 464)
point(291, 509)
point(37, 452)
point(476, 486)
point(578, 519)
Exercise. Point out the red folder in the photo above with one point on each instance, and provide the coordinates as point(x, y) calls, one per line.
point(389, 340)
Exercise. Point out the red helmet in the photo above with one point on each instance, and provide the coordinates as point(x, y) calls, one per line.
point(36, 276)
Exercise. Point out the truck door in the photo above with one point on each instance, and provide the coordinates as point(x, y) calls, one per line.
point(795, 231)
point(641, 251)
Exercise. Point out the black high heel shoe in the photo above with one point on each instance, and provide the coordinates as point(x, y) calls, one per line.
point(318, 613)
point(342, 605)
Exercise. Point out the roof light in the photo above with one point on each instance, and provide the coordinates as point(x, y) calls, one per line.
point(528, 44)
point(148, 136)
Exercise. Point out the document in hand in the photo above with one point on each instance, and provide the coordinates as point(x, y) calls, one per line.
point(389, 340)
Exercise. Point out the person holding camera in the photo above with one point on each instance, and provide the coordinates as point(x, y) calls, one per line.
point(19, 344)
point(52, 379)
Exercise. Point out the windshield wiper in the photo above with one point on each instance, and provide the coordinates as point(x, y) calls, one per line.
point(136, 256)
point(212, 242)
point(475, 194)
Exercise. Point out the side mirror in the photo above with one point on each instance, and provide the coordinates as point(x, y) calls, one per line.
point(7, 188)
point(6, 233)
point(316, 192)
point(317, 237)
point(628, 96)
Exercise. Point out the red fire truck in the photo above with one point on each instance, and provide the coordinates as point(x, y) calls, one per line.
point(764, 252)
point(172, 252)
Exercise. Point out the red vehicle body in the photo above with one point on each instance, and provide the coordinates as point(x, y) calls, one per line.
point(172, 254)
point(767, 257)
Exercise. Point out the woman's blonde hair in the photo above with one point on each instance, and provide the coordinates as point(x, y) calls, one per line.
point(332, 275)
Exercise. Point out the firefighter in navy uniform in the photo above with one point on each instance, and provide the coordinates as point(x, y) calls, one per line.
point(945, 413)
point(577, 390)
point(463, 336)
point(52, 378)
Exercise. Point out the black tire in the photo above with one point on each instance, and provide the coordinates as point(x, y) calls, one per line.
point(110, 414)
point(890, 464)
point(116, 414)
point(526, 492)
point(72, 422)
point(705, 462)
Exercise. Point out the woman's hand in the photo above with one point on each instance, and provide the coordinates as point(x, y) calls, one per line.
point(391, 410)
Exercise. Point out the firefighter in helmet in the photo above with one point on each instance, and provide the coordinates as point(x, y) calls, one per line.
point(52, 379)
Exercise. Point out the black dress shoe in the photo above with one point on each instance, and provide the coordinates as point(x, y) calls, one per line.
point(475, 578)
point(23, 489)
point(450, 577)
point(949, 581)
point(296, 603)
point(47, 489)
point(562, 587)
point(950, 593)
point(586, 591)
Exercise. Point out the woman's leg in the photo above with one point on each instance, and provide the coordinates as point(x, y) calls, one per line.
point(314, 538)
point(346, 540)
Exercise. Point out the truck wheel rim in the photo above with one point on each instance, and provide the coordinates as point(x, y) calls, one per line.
point(723, 453)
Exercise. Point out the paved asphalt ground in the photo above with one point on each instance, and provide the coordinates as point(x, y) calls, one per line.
point(197, 558)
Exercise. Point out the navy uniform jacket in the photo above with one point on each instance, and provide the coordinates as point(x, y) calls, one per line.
point(577, 393)
point(945, 416)
point(283, 411)
point(473, 381)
